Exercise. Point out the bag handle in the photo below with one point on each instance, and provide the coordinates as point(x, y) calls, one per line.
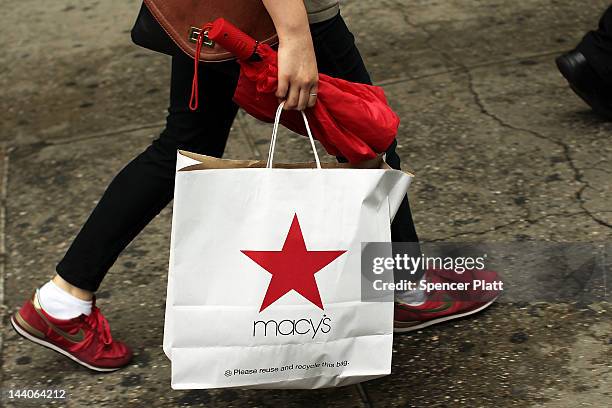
point(279, 111)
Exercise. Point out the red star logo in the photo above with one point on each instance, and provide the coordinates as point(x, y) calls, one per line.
point(293, 268)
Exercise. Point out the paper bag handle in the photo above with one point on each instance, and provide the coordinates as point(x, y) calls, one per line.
point(279, 111)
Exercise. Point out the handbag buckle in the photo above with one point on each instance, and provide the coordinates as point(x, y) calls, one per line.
point(194, 33)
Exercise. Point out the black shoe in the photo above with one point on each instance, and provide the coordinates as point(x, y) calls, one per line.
point(586, 83)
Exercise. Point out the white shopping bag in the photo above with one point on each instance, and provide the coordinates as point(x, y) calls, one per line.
point(264, 280)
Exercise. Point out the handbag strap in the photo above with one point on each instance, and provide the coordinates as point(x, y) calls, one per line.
point(194, 100)
point(279, 111)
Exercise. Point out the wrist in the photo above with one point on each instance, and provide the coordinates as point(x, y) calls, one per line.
point(294, 33)
point(296, 40)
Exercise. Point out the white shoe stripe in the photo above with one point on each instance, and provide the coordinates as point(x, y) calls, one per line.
point(441, 319)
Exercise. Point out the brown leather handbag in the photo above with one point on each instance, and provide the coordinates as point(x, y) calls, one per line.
point(172, 26)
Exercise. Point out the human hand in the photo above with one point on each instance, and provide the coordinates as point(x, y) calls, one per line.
point(298, 75)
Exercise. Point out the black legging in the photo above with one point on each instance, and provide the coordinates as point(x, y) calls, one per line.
point(146, 185)
point(596, 46)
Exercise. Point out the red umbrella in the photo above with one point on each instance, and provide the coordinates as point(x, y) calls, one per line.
point(349, 119)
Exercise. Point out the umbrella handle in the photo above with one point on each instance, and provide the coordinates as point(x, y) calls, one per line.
point(232, 39)
point(279, 111)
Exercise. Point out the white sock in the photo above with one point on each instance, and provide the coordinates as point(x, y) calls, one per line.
point(412, 297)
point(60, 304)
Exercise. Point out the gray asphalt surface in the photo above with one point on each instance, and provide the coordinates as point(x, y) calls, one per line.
point(502, 151)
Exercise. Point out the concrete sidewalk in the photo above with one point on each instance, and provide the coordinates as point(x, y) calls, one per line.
point(502, 150)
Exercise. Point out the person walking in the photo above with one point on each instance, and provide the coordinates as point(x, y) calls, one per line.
point(313, 38)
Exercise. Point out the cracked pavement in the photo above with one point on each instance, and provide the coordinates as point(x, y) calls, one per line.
point(502, 150)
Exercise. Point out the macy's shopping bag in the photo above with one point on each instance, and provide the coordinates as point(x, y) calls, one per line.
point(264, 280)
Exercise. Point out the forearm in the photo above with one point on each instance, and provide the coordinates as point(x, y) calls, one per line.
point(290, 18)
point(297, 64)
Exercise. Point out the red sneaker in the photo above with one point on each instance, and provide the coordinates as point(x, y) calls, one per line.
point(85, 339)
point(449, 302)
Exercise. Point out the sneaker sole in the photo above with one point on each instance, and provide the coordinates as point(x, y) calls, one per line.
point(440, 319)
point(23, 333)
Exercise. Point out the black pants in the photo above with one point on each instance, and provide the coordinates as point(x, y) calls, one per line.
point(146, 185)
point(596, 46)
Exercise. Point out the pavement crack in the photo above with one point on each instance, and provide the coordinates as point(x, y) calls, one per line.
point(38, 145)
point(399, 80)
point(595, 168)
point(565, 148)
point(429, 36)
point(112, 133)
point(483, 232)
point(506, 225)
